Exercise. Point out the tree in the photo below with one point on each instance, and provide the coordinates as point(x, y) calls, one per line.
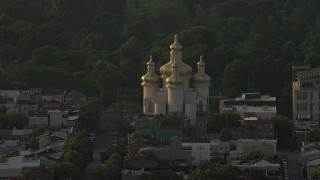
point(209, 170)
point(107, 73)
point(255, 174)
point(284, 131)
point(269, 75)
point(225, 134)
point(159, 175)
point(120, 147)
point(74, 157)
point(111, 170)
point(81, 144)
point(46, 55)
point(235, 76)
point(19, 120)
point(224, 120)
point(315, 135)
point(74, 13)
point(89, 114)
point(172, 120)
point(93, 42)
point(27, 174)
point(66, 170)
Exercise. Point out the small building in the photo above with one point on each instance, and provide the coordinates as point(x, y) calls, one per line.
point(14, 165)
point(174, 157)
point(219, 147)
point(253, 148)
point(255, 128)
point(251, 104)
point(47, 140)
point(270, 167)
point(200, 151)
point(75, 99)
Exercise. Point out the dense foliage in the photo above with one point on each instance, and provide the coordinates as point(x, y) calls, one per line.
point(98, 46)
point(209, 170)
point(160, 175)
point(11, 120)
point(111, 169)
point(284, 130)
point(78, 150)
point(219, 122)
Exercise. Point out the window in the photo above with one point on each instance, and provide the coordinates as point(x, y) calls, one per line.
point(302, 106)
point(307, 84)
point(302, 95)
point(200, 106)
point(149, 106)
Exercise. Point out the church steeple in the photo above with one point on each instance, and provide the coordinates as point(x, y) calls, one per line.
point(151, 77)
point(201, 76)
point(176, 53)
point(175, 78)
point(176, 46)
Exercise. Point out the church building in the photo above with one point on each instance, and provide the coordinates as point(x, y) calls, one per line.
point(177, 90)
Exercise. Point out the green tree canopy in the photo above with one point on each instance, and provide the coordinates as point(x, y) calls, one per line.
point(224, 120)
point(159, 175)
point(89, 114)
point(65, 170)
point(284, 131)
point(209, 170)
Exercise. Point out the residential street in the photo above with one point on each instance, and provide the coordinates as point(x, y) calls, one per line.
point(99, 145)
point(293, 164)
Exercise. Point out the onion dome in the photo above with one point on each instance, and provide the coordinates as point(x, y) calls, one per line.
point(151, 77)
point(175, 78)
point(201, 76)
point(184, 69)
point(176, 46)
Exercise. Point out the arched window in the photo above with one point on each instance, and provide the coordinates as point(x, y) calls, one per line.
point(200, 106)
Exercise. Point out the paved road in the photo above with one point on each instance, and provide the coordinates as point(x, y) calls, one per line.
point(293, 164)
point(100, 144)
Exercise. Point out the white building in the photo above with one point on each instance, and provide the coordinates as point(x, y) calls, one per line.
point(13, 167)
point(219, 147)
point(177, 90)
point(247, 147)
point(306, 97)
point(199, 152)
point(57, 118)
point(251, 104)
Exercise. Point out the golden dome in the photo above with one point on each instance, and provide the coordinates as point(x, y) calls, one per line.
point(151, 77)
point(176, 46)
point(174, 79)
point(184, 69)
point(201, 76)
point(150, 62)
point(201, 63)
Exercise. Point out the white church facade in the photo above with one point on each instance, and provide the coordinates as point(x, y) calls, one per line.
point(177, 90)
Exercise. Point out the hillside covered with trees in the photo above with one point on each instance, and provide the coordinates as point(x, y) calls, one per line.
point(98, 47)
